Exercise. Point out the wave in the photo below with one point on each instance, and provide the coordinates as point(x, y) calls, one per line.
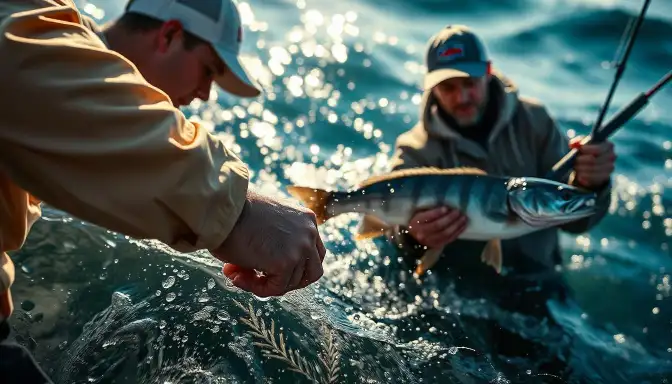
point(465, 7)
point(598, 30)
point(601, 24)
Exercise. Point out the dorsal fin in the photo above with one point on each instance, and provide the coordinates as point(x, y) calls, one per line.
point(421, 171)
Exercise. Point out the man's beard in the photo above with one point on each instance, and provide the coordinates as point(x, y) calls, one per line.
point(476, 118)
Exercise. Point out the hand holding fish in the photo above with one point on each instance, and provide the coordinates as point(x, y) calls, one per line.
point(594, 163)
point(497, 207)
point(437, 227)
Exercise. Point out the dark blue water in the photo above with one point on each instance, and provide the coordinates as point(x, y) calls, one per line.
point(342, 82)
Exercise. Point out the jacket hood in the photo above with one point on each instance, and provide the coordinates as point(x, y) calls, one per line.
point(507, 93)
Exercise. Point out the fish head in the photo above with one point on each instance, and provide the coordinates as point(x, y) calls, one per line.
point(547, 203)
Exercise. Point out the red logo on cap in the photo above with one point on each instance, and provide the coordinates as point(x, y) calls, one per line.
point(451, 52)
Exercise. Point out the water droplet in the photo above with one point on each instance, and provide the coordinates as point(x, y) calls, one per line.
point(168, 282)
point(162, 324)
point(452, 350)
point(27, 305)
point(211, 283)
point(203, 314)
point(183, 275)
point(170, 297)
point(203, 298)
point(223, 315)
point(158, 292)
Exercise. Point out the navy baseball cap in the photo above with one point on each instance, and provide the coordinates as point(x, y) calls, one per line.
point(455, 51)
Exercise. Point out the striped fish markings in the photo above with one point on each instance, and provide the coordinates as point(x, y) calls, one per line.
point(498, 207)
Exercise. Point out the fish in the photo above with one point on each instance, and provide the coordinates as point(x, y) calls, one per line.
point(497, 207)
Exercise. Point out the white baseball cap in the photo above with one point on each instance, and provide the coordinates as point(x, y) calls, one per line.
point(214, 21)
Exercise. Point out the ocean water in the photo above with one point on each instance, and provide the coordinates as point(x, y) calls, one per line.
point(342, 82)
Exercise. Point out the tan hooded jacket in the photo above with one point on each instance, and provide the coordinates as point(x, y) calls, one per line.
point(525, 141)
point(83, 131)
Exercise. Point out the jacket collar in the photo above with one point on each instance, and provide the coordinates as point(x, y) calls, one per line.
point(94, 27)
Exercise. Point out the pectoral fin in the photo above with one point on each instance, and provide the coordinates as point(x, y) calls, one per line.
point(492, 254)
point(428, 259)
point(371, 227)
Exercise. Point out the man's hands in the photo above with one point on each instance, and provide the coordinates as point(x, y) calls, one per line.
point(437, 227)
point(594, 163)
point(278, 239)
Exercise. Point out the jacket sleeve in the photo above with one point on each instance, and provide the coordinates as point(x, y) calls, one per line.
point(83, 131)
point(553, 147)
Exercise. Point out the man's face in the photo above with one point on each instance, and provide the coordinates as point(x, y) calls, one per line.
point(183, 74)
point(464, 98)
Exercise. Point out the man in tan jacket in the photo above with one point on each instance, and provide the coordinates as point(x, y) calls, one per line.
point(474, 116)
point(90, 125)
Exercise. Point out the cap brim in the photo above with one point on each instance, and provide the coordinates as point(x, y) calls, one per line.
point(236, 80)
point(436, 76)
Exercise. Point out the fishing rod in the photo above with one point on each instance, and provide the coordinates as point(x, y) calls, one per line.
point(565, 165)
point(620, 64)
point(561, 169)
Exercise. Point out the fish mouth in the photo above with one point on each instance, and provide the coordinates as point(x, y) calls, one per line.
point(544, 203)
point(534, 220)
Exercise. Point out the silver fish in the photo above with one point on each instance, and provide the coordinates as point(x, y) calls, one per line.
point(498, 207)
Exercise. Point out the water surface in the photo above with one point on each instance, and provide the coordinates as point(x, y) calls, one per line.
point(342, 81)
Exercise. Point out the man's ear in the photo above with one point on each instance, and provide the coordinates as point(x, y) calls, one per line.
point(170, 32)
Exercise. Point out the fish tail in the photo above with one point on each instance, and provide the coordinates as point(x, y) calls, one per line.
point(314, 199)
point(427, 261)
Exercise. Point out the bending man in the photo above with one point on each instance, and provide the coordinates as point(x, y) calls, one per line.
point(90, 125)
